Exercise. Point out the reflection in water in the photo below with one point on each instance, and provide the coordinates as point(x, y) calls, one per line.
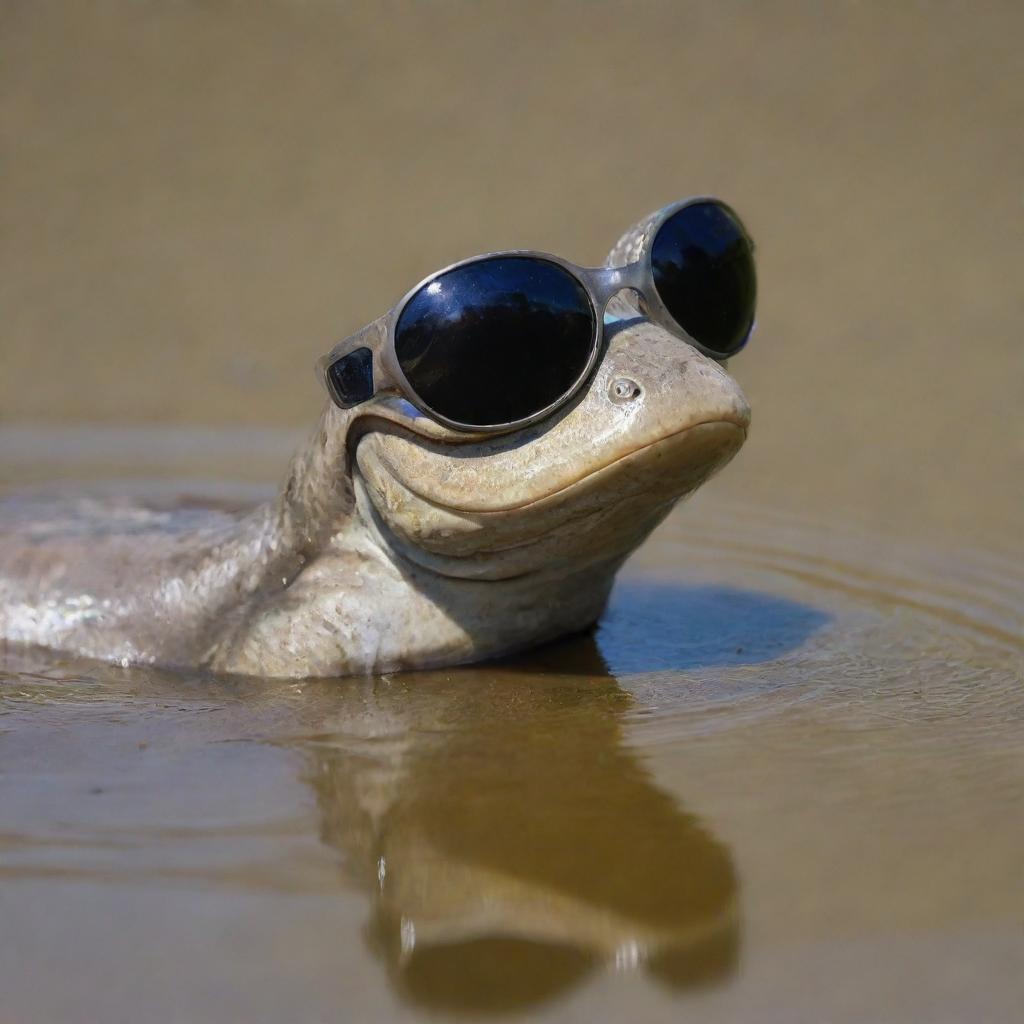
point(512, 842)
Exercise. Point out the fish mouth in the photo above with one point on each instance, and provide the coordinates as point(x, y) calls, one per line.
point(603, 469)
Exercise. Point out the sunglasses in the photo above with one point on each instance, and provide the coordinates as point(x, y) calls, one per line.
point(503, 340)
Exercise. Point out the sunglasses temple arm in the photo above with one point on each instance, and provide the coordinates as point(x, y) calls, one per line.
point(632, 245)
point(355, 370)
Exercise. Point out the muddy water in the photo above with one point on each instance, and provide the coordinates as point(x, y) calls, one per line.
point(783, 780)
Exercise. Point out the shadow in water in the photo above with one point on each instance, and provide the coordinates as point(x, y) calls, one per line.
point(512, 842)
point(658, 627)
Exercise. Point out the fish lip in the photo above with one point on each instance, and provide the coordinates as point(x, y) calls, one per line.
point(741, 424)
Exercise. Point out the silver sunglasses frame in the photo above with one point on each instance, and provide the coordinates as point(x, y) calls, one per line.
point(629, 269)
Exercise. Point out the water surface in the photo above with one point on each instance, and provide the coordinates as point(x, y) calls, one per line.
point(787, 763)
point(784, 780)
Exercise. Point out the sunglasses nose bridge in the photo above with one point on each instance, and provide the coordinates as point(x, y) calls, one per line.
point(607, 282)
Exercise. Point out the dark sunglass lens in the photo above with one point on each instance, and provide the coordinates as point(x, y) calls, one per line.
point(497, 340)
point(703, 264)
point(351, 377)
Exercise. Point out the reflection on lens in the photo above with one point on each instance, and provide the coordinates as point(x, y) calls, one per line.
point(703, 264)
point(497, 340)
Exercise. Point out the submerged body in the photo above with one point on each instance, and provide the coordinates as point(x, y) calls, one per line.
point(395, 541)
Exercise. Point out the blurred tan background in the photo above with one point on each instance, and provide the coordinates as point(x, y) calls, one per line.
point(199, 197)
